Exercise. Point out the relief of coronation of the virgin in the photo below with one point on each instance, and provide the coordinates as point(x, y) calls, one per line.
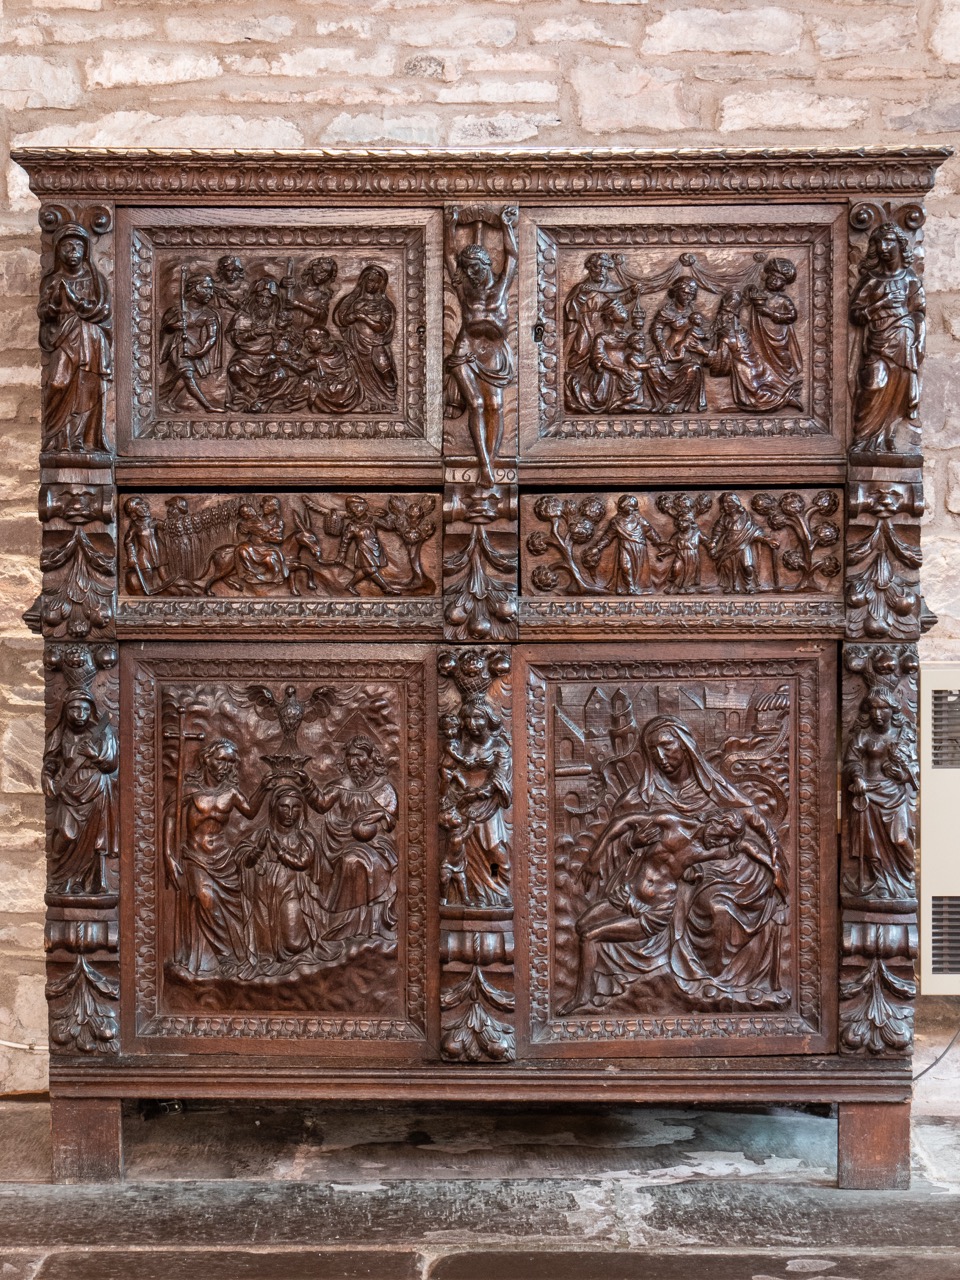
point(686, 339)
point(672, 815)
point(280, 859)
point(262, 336)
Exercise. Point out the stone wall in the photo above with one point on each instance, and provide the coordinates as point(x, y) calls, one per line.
point(410, 72)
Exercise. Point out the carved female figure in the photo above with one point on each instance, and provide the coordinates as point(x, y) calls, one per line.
point(682, 343)
point(360, 810)
point(79, 772)
point(367, 319)
point(770, 319)
point(327, 377)
point(582, 311)
point(481, 361)
point(476, 790)
point(630, 533)
point(734, 545)
point(657, 832)
point(287, 874)
point(612, 379)
point(74, 316)
point(881, 776)
point(888, 304)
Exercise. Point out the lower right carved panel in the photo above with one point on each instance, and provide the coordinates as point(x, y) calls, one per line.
point(680, 849)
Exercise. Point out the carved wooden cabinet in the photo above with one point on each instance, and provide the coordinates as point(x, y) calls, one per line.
point(470, 581)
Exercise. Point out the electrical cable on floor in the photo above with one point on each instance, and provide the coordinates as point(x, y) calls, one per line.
point(15, 1044)
point(920, 1074)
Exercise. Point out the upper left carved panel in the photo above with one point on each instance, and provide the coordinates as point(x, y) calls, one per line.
point(305, 337)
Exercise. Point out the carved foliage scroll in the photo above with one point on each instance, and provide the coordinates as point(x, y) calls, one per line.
point(78, 559)
point(480, 562)
point(280, 847)
point(476, 871)
point(883, 555)
point(878, 872)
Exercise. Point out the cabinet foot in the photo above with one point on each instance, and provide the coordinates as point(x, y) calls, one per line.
point(87, 1139)
point(873, 1146)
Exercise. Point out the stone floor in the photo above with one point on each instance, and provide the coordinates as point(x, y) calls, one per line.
point(508, 1193)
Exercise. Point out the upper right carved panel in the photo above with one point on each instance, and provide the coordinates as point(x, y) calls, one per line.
point(707, 333)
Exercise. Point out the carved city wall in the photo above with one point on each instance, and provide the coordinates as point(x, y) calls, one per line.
point(309, 75)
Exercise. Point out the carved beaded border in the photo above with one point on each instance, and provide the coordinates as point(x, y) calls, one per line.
point(144, 425)
point(412, 676)
point(557, 423)
point(711, 613)
point(720, 1026)
point(330, 616)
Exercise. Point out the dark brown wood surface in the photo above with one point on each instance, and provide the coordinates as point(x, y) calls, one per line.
point(459, 572)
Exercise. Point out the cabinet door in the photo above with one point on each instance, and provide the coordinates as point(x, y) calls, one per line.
point(677, 832)
point(277, 835)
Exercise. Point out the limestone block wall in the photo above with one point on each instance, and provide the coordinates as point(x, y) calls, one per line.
point(235, 73)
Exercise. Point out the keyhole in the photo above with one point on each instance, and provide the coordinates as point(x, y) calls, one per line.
point(538, 331)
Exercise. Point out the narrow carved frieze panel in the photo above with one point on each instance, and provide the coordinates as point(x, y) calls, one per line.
point(297, 331)
point(480, 255)
point(480, 561)
point(78, 559)
point(644, 558)
point(686, 329)
point(883, 554)
point(76, 335)
point(888, 332)
point(675, 832)
point(279, 846)
point(343, 558)
point(476, 780)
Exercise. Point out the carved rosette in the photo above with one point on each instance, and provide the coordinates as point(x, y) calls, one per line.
point(879, 778)
point(476, 897)
point(76, 614)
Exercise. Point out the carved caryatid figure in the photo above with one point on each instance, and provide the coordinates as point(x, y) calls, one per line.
point(79, 776)
point(481, 362)
point(881, 779)
point(191, 342)
point(476, 789)
point(74, 316)
point(367, 319)
point(888, 304)
point(681, 814)
point(734, 545)
point(287, 879)
point(211, 935)
point(359, 811)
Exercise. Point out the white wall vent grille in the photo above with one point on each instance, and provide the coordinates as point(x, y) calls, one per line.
point(940, 829)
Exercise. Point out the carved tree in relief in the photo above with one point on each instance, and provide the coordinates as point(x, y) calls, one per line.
point(75, 334)
point(481, 362)
point(476, 794)
point(631, 551)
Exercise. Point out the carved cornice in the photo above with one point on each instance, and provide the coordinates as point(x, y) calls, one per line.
point(615, 172)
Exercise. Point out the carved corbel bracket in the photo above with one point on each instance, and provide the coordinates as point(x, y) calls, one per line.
point(883, 554)
point(480, 561)
point(78, 559)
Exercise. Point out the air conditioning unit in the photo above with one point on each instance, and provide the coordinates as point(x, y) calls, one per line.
point(940, 828)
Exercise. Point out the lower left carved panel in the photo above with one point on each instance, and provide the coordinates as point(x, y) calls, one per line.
point(277, 843)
